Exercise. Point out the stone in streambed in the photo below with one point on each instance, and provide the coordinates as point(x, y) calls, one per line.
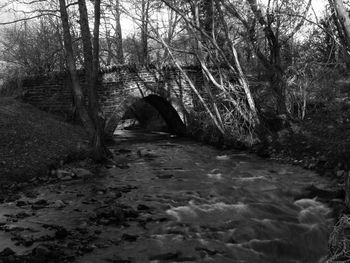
point(165, 176)
point(22, 215)
point(21, 203)
point(166, 256)
point(82, 173)
point(42, 203)
point(61, 233)
point(222, 157)
point(129, 238)
point(58, 204)
point(40, 254)
point(143, 207)
point(62, 173)
point(67, 178)
point(340, 173)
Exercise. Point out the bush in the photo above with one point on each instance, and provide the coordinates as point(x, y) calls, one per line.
point(11, 85)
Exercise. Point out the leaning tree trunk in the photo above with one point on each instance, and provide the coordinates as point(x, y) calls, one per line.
point(344, 18)
point(342, 22)
point(76, 87)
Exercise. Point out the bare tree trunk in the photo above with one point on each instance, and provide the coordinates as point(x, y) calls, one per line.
point(347, 190)
point(342, 21)
point(278, 85)
point(118, 34)
point(344, 18)
point(91, 65)
point(109, 43)
point(144, 31)
point(76, 88)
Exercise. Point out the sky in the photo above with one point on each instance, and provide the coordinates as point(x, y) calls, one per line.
point(5, 16)
point(319, 5)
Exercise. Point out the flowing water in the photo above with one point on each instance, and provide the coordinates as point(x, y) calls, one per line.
point(223, 206)
point(195, 203)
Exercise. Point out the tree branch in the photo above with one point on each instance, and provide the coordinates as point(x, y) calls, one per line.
point(26, 19)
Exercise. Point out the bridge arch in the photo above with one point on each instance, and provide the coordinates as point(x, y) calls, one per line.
point(165, 109)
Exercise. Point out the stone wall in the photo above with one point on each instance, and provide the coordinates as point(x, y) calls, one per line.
point(53, 92)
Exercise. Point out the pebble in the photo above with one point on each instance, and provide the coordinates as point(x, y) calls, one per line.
point(22, 215)
point(61, 233)
point(143, 207)
point(104, 221)
point(66, 178)
point(41, 251)
point(21, 203)
point(40, 204)
point(82, 173)
point(82, 229)
point(102, 245)
point(129, 238)
point(165, 176)
point(63, 173)
point(340, 173)
point(222, 157)
point(88, 248)
point(58, 204)
point(323, 158)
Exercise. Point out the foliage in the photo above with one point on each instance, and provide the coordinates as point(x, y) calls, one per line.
point(34, 48)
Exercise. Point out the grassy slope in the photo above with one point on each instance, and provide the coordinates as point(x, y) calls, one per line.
point(32, 140)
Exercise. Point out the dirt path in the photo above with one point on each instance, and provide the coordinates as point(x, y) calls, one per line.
point(169, 200)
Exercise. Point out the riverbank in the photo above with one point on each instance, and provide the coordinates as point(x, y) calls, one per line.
point(33, 142)
point(320, 142)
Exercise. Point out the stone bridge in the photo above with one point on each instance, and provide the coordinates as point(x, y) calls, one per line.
point(119, 88)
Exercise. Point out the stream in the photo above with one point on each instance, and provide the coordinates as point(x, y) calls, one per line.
point(168, 199)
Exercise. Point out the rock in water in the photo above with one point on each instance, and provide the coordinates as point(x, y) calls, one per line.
point(58, 204)
point(222, 157)
point(63, 173)
point(82, 173)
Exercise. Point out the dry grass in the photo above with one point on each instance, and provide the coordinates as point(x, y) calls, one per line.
point(339, 242)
